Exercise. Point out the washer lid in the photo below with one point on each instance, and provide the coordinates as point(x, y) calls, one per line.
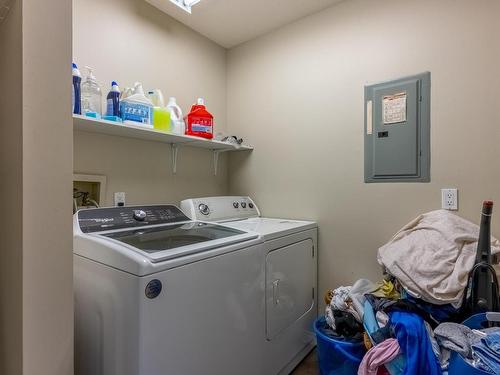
point(165, 242)
point(271, 228)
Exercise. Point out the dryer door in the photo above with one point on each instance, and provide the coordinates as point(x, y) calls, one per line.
point(289, 285)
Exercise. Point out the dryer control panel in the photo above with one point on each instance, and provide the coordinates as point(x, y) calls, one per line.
point(102, 219)
point(226, 208)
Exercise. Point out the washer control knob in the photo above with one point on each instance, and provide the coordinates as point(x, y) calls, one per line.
point(250, 205)
point(139, 215)
point(204, 209)
point(243, 205)
point(236, 204)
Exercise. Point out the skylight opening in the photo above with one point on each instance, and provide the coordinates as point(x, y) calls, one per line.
point(185, 4)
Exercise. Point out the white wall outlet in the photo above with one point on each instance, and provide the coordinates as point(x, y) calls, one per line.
point(449, 199)
point(120, 199)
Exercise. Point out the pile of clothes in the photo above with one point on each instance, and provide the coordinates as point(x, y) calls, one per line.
point(479, 348)
point(410, 319)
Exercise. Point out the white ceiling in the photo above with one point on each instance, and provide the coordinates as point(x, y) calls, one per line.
point(231, 22)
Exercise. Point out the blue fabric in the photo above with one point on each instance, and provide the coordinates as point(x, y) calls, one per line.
point(440, 313)
point(487, 352)
point(369, 319)
point(492, 341)
point(415, 344)
point(382, 334)
point(379, 304)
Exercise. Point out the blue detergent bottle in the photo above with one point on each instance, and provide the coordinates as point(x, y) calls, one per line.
point(76, 96)
point(113, 101)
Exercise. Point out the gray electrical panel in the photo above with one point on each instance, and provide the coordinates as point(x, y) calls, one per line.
point(397, 130)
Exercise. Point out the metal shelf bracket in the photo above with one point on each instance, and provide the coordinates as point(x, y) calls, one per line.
point(216, 154)
point(174, 147)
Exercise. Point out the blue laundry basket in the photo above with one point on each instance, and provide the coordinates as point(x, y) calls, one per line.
point(458, 365)
point(335, 356)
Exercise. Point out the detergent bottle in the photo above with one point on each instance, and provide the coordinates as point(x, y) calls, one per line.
point(136, 108)
point(176, 122)
point(113, 101)
point(161, 115)
point(126, 92)
point(200, 122)
point(77, 96)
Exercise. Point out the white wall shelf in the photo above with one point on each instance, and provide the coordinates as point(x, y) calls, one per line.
point(90, 125)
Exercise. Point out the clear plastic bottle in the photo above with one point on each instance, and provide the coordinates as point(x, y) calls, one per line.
point(91, 96)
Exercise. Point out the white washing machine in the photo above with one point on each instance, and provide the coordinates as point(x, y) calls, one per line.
point(159, 294)
point(290, 266)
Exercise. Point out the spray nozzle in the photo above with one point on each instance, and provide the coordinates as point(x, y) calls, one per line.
point(75, 71)
point(138, 88)
point(90, 74)
point(201, 101)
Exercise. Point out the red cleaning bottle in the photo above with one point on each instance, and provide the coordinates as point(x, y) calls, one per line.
point(200, 122)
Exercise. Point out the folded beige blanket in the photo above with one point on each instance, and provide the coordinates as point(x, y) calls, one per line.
point(433, 255)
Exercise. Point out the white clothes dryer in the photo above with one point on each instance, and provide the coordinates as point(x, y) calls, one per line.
point(290, 267)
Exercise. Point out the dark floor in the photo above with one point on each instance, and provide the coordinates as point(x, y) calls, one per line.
point(309, 366)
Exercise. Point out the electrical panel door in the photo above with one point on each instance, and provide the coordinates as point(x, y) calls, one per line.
point(397, 130)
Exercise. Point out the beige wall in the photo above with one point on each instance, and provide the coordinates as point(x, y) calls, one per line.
point(297, 95)
point(11, 276)
point(128, 41)
point(36, 278)
point(47, 175)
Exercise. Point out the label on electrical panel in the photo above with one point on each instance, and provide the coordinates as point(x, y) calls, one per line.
point(394, 108)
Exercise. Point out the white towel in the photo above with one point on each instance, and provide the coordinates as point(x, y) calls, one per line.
point(349, 299)
point(433, 255)
point(341, 300)
point(357, 295)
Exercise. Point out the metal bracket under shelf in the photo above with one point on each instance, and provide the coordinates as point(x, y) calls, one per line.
point(174, 147)
point(216, 154)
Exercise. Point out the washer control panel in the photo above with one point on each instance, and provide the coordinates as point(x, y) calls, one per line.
point(102, 219)
point(220, 208)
